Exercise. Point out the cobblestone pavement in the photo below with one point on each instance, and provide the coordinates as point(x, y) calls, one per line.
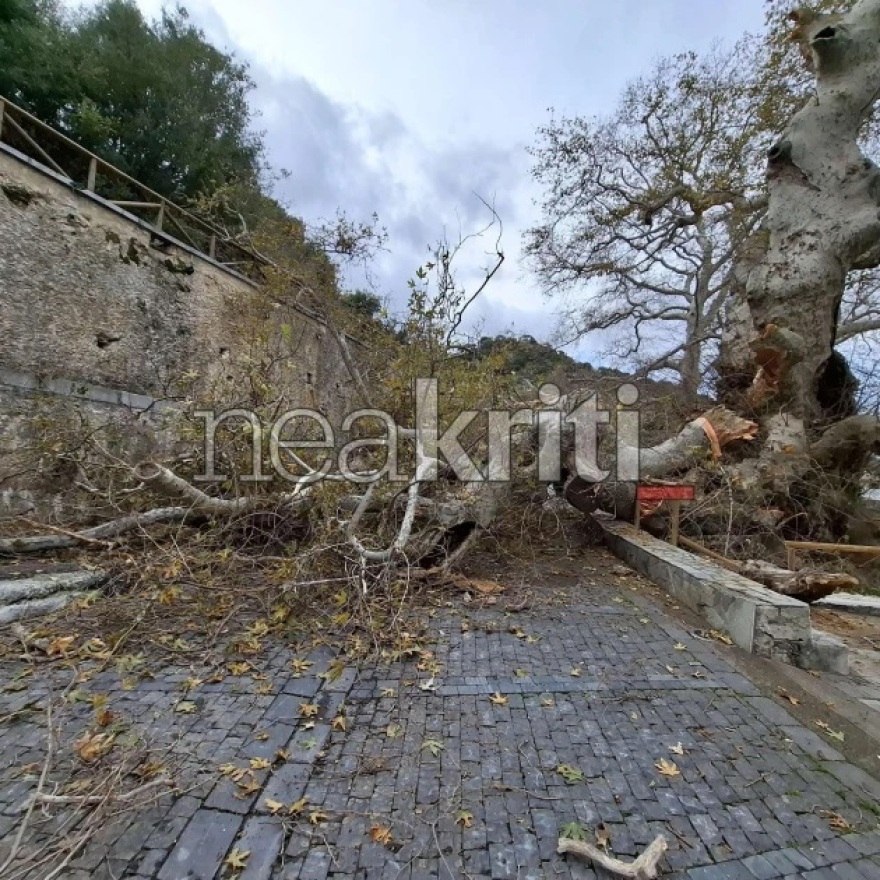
point(454, 768)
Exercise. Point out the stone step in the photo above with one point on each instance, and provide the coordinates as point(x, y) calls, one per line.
point(853, 603)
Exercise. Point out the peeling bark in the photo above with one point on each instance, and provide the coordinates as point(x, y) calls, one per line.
point(822, 219)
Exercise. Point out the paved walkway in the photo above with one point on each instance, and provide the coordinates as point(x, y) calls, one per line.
point(467, 763)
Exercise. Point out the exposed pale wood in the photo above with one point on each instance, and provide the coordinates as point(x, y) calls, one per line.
point(866, 549)
point(93, 174)
point(808, 586)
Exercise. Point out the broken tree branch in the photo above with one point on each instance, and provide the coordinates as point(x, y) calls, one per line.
point(643, 868)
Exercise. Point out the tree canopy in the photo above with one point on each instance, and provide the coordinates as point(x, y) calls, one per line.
point(154, 98)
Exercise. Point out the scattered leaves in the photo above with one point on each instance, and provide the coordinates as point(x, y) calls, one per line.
point(297, 807)
point(667, 768)
point(237, 859)
point(570, 773)
point(381, 834)
point(300, 666)
point(465, 818)
point(787, 696)
point(434, 746)
point(92, 746)
point(834, 734)
point(573, 831)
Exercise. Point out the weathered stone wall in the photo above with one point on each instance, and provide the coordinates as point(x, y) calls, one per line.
point(91, 296)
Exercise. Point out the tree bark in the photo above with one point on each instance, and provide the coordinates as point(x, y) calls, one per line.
point(822, 217)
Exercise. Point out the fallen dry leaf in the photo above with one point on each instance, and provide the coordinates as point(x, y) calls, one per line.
point(297, 807)
point(667, 768)
point(90, 747)
point(308, 710)
point(381, 834)
point(787, 696)
point(274, 807)
point(338, 723)
point(260, 764)
point(237, 859)
point(317, 817)
point(677, 749)
point(498, 699)
point(465, 818)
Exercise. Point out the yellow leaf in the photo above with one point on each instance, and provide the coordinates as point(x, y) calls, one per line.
point(680, 647)
point(90, 747)
point(192, 683)
point(316, 817)
point(59, 645)
point(335, 670)
point(498, 699)
point(300, 666)
point(388, 692)
point(265, 689)
point(677, 750)
point(185, 707)
point(281, 755)
point(237, 859)
point(465, 818)
point(521, 673)
point(308, 710)
point(380, 834)
point(576, 671)
point(274, 807)
point(548, 702)
point(248, 787)
point(297, 807)
point(261, 737)
point(338, 723)
point(787, 696)
point(239, 668)
point(667, 768)
point(393, 731)
point(260, 764)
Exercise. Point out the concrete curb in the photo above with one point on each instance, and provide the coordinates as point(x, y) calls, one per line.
point(760, 621)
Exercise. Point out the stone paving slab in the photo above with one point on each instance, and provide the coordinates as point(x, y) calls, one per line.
point(454, 783)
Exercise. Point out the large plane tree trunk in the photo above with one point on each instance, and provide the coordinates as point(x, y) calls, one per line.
point(822, 221)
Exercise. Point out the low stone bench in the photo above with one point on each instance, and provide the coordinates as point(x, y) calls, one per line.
point(760, 621)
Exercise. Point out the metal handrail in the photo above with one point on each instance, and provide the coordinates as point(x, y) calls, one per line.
point(14, 125)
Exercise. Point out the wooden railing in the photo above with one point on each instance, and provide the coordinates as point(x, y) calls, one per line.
point(88, 172)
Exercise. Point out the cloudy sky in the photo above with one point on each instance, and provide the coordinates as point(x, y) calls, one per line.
point(411, 107)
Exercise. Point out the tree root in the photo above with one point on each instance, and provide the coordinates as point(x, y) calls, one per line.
point(643, 868)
